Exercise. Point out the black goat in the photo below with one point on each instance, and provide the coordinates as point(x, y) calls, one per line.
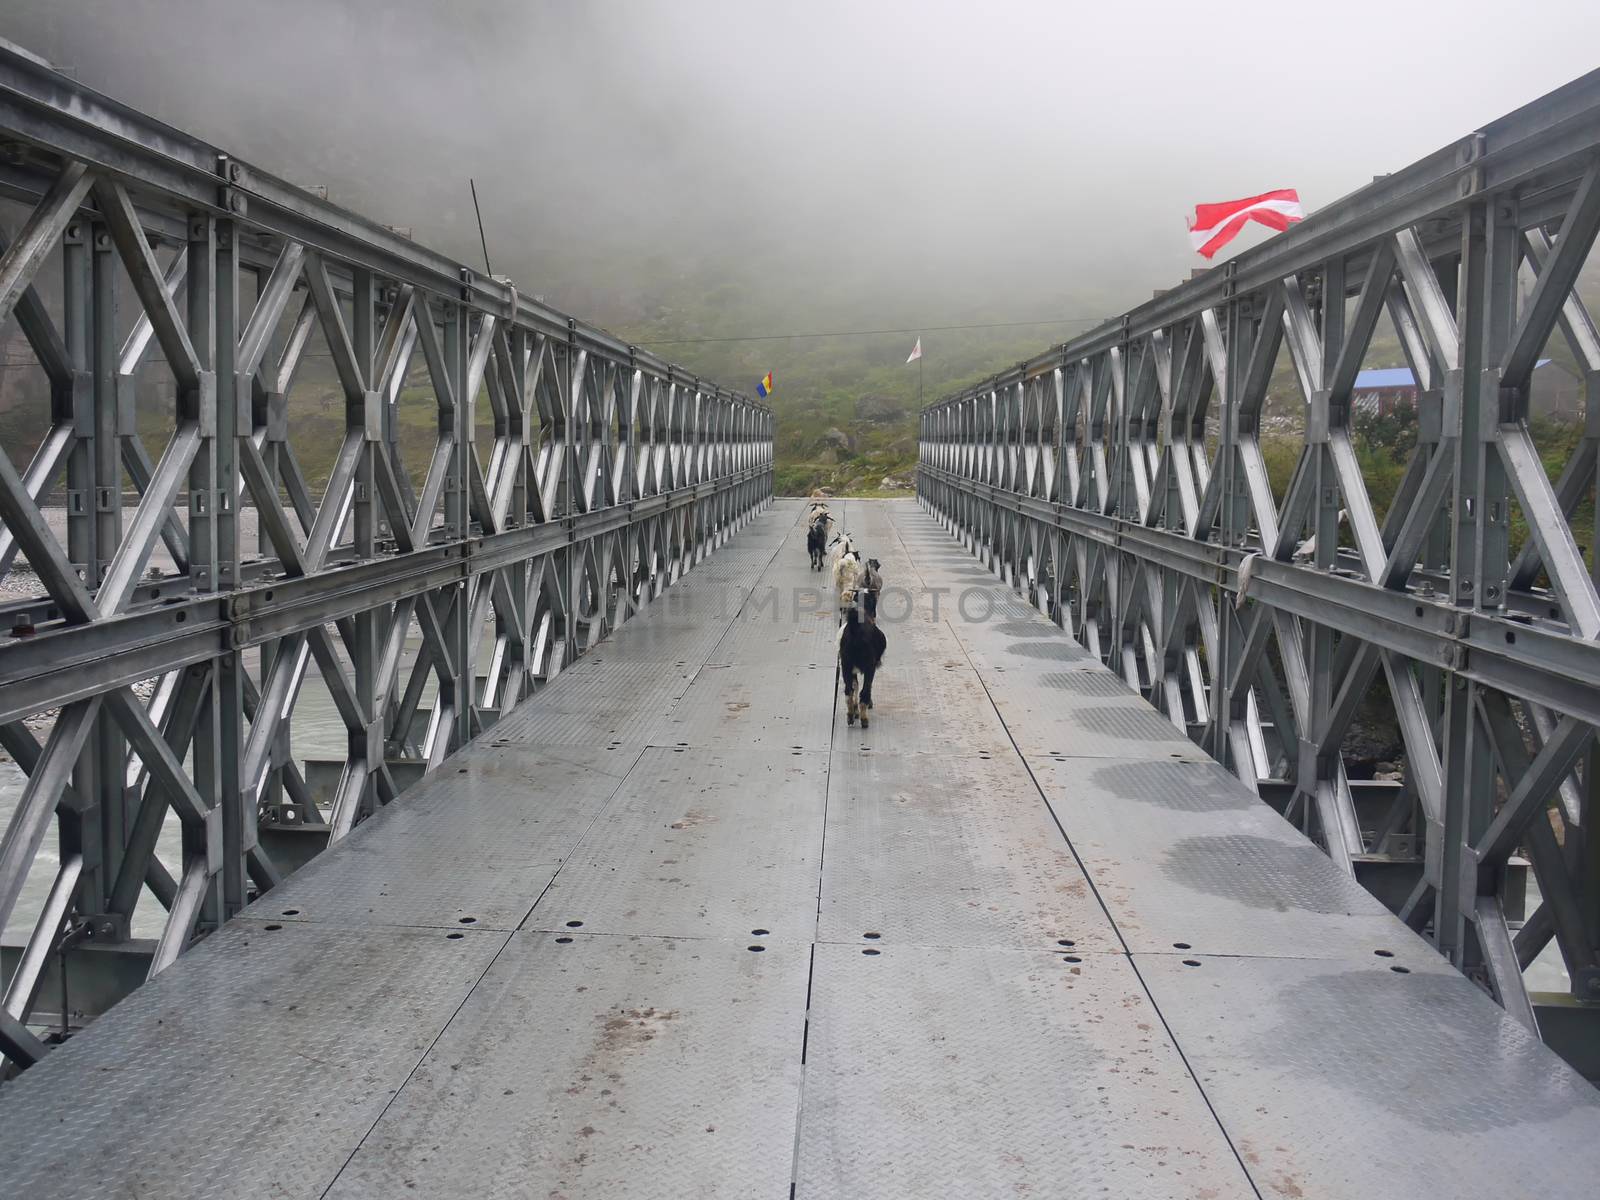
point(817, 542)
point(861, 648)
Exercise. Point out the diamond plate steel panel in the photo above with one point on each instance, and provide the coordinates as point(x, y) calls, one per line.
point(251, 1068)
point(1078, 683)
point(790, 637)
point(1020, 628)
point(964, 1058)
point(618, 678)
point(1348, 1079)
point(925, 704)
point(606, 1069)
point(1182, 853)
point(991, 621)
point(608, 654)
point(690, 607)
point(1000, 647)
point(1109, 725)
point(941, 1072)
point(917, 637)
point(700, 844)
point(672, 638)
point(480, 838)
point(720, 592)
point(546, 722)
point(950, 852)
point(1007, 674)
point(729, 708)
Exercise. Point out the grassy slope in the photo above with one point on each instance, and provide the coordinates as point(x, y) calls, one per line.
point(858, 386)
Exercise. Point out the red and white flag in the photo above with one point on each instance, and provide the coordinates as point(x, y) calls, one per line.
point(916, 352)
point(1213, 226)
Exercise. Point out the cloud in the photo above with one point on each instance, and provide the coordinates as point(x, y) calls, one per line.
point(917, 162)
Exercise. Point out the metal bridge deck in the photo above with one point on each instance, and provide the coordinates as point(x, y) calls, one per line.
point(671, 930)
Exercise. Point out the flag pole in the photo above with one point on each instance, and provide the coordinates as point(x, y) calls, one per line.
point(919, 374)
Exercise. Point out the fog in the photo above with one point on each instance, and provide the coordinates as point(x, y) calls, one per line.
point(825, 163)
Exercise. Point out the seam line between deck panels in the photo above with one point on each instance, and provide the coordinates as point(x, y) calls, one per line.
point(1093, 888)
point(816, 929)
point(415, 1067)
point(476, 983)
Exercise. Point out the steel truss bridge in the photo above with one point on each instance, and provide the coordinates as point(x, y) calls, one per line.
point(1120, 481)
point(603, 474)
point(586, 889)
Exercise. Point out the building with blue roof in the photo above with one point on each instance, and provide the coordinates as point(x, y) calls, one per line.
point(1555, 393)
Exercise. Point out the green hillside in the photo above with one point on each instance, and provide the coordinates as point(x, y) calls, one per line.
point(846, 403)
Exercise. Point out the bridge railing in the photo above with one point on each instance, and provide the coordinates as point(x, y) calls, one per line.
point(294, 452)
point(1198, 491)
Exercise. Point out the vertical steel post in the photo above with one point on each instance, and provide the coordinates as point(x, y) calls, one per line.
point(458, 517)
point(1228, 704)
point(224, 866)
point(236, 795)
point(90, 828)
point(366, 413)
point(1465, 753)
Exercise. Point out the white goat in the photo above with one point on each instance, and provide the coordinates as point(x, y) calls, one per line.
point(839, 545)
point(847, 574)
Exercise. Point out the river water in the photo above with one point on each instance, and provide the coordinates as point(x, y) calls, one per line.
point(317, 732)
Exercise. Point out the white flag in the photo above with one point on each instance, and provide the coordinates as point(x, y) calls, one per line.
point(916, 352)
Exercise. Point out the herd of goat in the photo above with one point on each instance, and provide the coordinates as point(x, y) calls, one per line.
point(856, 584)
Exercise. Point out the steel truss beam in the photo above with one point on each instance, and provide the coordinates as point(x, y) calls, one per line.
point(1119, 481)
point(571, 478)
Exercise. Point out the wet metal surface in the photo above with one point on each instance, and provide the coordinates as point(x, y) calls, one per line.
point(950, 851)
point(672, 929)
point(1446, 1095)
point(1184, 857)
point(1065, 1086)
point(603, 1067)
point(325, 1023)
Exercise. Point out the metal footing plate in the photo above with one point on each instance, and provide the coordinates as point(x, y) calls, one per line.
point(1004, 670)
point(545, 720)
point(678, 636)
point(950, 851)
point(792, 630)
point(601, 684)
point(252, 1068)
point(700, 843)
point(925, 706)
point(604, 1069)
point(1185, 858)
point(479, 839)
point(1068, 722)
point(1348, 1079)
point(941, 1072)
point(754, 707)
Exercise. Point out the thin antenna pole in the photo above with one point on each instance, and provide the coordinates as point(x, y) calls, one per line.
point(483, 241)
